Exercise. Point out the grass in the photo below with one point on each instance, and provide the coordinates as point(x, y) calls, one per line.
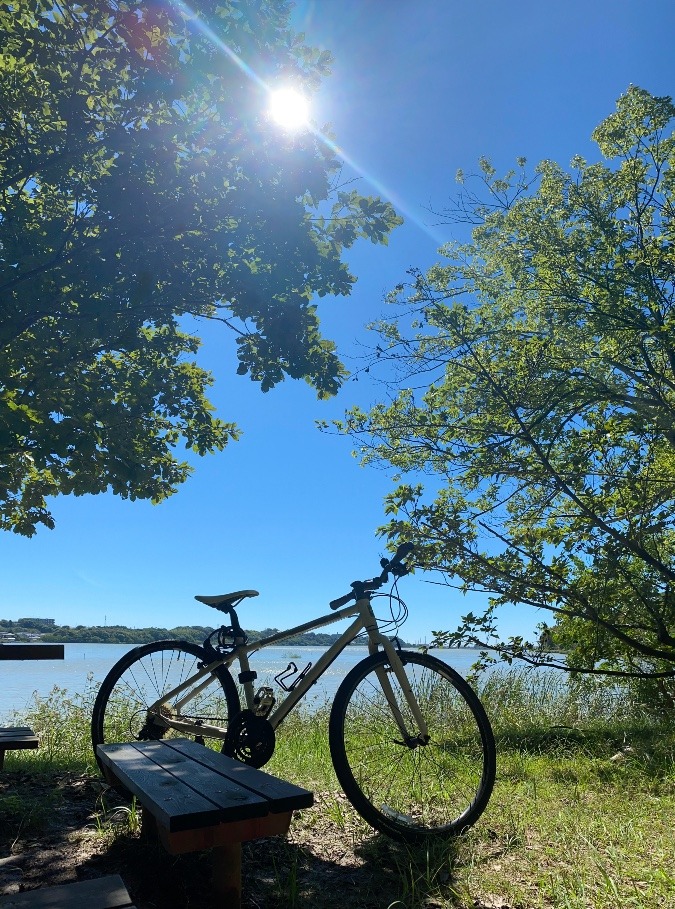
point(582, 815)
point(583, 812)
point(62, 721)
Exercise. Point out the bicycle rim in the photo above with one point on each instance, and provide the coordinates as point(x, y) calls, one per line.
point(412, 791)
point(141, 677)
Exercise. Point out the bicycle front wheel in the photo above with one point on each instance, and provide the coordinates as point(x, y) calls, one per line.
point(121, 710)
point(402, 786)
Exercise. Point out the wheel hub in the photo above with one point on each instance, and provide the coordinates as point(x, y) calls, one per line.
point(413, 741)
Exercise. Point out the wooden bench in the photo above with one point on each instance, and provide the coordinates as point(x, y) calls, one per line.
point(31, 651)
point(196, 798)
point(103, 893)
point(13, 738)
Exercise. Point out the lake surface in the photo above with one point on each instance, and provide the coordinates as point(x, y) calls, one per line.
point(87, 664)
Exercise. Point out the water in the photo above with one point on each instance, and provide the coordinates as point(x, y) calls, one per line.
point(21, 679)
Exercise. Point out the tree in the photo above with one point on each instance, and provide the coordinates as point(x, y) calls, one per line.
point(142, 187)
point(534, 385)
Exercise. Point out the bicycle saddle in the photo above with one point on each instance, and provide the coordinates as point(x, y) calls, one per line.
point(226, 601)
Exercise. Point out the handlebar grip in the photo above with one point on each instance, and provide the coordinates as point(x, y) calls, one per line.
point(403, 550)
point(341, 601)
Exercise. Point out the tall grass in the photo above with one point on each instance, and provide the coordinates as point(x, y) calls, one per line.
point(525, 708)
point(531, 710)
point(582, 816)
point(62, 720)
point(518, 698)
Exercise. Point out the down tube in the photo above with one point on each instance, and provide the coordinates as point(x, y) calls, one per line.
point(314, 673)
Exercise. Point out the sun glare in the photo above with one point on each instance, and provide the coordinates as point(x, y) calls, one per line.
point(289, 108)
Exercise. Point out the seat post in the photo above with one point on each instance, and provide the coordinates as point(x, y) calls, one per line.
point(237, 631)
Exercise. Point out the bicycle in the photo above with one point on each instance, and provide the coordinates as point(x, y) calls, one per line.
point(410, 742)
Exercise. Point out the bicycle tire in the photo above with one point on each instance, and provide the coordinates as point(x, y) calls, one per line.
point(140, 677)
point(412, 792)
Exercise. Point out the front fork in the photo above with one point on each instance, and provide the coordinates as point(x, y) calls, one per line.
point(377, 640)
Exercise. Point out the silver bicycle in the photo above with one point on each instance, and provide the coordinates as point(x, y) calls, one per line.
point(409, 739)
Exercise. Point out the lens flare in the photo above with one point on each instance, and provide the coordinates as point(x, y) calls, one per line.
point(289, 108)
point(379, 187)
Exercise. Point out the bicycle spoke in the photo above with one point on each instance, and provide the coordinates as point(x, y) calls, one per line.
point(144, 676)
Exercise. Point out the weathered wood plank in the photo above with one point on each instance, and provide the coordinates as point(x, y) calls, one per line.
point(222, 834)
point(31, 652)
point(281, 796)
point(210, 782)
point(103, 893)
point(15, 738)
point(172, 802)
point(186, 786)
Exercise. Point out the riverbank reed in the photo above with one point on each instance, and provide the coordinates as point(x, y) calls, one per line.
point(582, 815)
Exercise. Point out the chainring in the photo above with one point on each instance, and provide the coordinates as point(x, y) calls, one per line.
point(249, 739)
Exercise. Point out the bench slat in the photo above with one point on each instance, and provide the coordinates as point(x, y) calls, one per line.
point(17, 737)
point(282, 796)
point(175, 805)
point(103, 893)
point(188, 766)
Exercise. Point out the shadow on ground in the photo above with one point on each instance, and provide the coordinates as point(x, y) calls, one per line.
point(53, 830)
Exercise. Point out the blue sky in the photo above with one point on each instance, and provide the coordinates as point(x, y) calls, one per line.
point(419, 89)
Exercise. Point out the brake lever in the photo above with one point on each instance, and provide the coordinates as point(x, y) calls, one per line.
point(398, 569)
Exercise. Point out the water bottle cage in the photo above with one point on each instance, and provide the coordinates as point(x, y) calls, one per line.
point(288, 673)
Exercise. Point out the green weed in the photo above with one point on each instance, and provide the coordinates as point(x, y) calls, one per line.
point(118, 819)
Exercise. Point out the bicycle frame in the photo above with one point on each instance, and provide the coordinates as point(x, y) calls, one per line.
point(365, 621)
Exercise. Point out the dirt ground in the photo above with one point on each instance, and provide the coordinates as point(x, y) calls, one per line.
point(60, 828)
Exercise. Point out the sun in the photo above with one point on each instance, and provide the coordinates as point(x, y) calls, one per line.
point(289, 108)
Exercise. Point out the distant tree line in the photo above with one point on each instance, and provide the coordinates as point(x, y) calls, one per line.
point(120, 634)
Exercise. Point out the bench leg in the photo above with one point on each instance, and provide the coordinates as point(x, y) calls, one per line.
point(149, 830)
point(227, 874)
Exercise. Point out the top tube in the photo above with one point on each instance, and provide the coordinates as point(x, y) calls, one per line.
point(301, 629)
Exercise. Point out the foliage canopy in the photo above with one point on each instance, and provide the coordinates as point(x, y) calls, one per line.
point(142, 186)
point(535, 388)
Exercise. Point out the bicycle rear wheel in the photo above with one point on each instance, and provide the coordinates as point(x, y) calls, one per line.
point(141, 677)
point(409, 790)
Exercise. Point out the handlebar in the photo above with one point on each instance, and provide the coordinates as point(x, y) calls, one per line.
point(393, 566)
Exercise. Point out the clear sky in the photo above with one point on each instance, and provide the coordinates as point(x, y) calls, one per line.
point(418, 90)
